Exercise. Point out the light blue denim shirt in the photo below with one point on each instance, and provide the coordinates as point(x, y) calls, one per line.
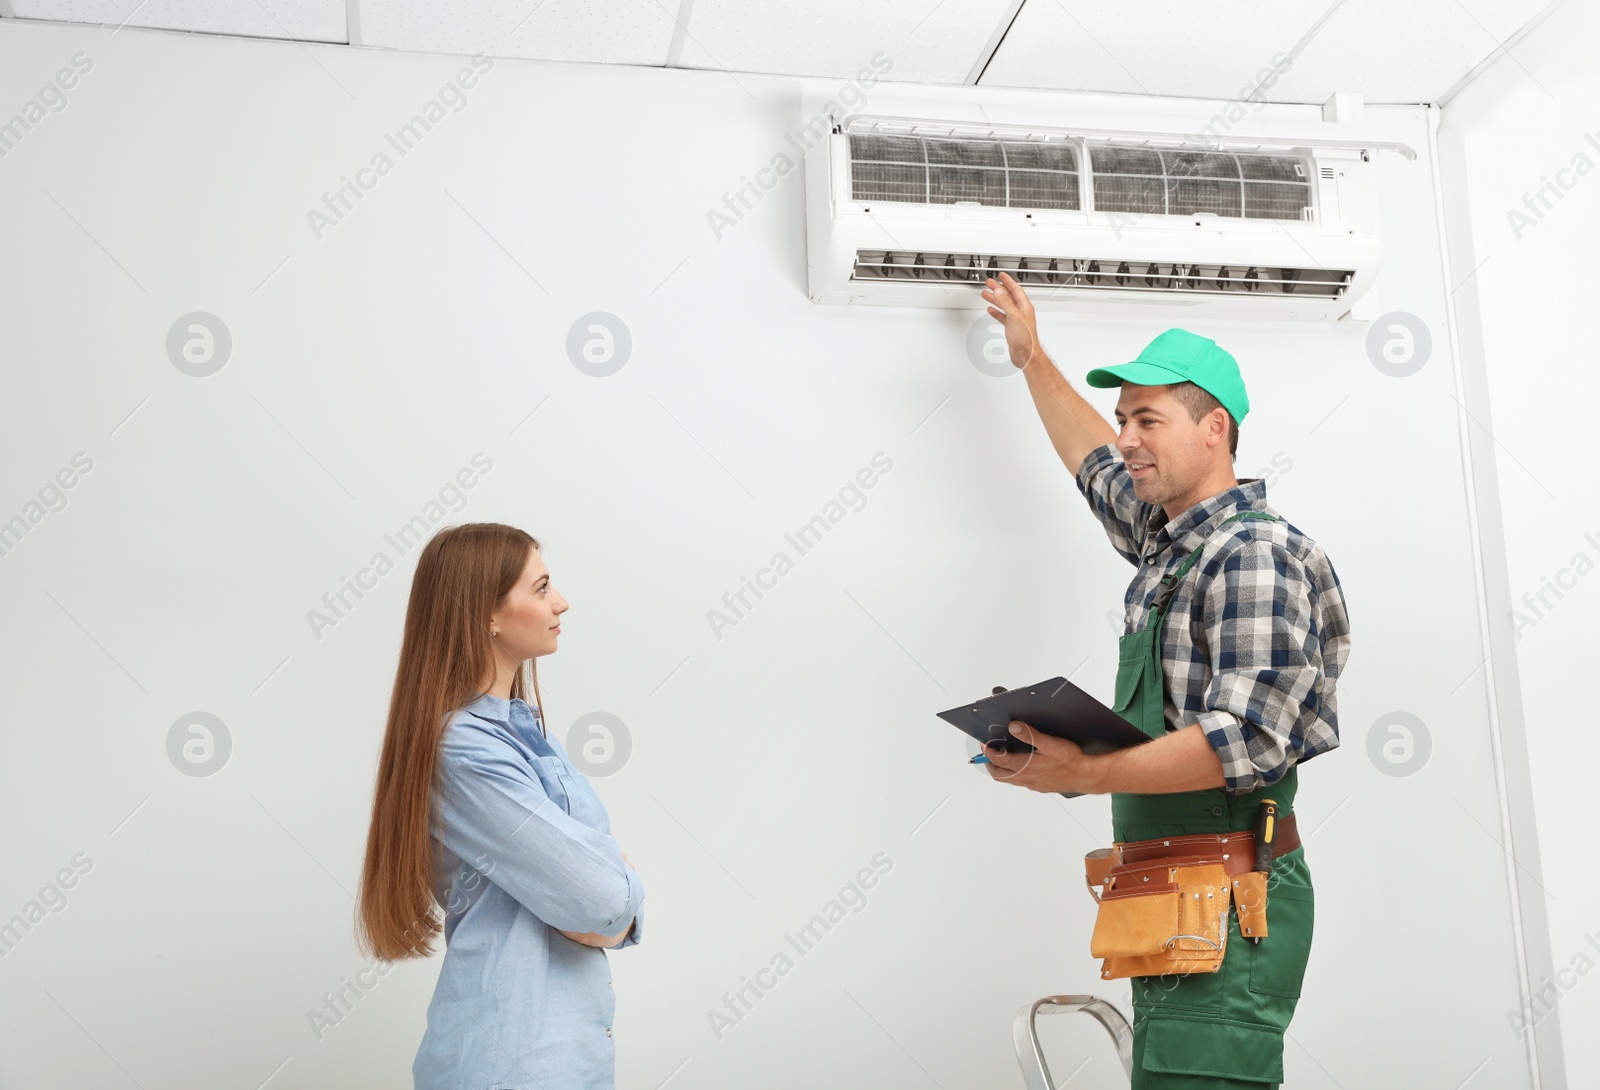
point(524, 848)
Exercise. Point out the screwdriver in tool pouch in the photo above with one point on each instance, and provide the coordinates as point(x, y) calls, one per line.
point(1266, 830)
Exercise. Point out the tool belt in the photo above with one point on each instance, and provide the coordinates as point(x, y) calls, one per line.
point(1165, 901)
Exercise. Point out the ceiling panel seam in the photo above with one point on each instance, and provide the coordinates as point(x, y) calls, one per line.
point(680, 28)
point(1503, 49)
point(1001, 29)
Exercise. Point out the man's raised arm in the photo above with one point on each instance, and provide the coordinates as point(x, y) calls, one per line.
point(1074, 427)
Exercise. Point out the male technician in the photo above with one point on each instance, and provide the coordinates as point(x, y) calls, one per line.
point(1233, 680)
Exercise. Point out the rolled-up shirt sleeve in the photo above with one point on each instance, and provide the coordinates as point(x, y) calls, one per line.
point(1263, 708)
point(494, 813)
point(1104, 481)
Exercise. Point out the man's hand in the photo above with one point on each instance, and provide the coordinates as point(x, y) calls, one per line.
point(1180, 760)
point(1073, 425)
point(1009, 305)
point(1055, 765)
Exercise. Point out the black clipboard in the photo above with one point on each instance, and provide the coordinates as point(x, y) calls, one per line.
point(1055, 707)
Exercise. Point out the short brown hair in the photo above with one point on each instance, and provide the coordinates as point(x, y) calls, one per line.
point(1200, 403)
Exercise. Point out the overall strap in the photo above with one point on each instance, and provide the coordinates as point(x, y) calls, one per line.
point(1170, 581)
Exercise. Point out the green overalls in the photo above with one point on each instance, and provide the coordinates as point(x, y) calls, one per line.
point(1222, 1030)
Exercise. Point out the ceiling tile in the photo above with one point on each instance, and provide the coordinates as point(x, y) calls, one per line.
point(607, 31)
point(931, 41)
point(1388, 53)
point(303, 20)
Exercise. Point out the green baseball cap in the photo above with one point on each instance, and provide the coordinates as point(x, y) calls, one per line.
point(1180, 356)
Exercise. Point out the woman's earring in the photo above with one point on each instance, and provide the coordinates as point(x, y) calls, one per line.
point(494, 635)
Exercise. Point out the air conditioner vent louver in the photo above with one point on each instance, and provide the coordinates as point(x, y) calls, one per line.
point(1115, 275)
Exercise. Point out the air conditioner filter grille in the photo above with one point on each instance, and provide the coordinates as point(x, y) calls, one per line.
point(1163, 181)
point(1132, 277)
point(1138, 179)
point(1000, 173)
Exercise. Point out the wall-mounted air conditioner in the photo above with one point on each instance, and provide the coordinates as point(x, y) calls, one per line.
point(912, 212)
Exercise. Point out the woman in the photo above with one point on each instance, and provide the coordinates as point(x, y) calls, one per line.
point(478, 812)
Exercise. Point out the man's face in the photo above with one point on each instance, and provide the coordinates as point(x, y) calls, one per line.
point(1166, 452)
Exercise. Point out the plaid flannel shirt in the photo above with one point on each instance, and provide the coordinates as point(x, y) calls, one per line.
point(1256, 634)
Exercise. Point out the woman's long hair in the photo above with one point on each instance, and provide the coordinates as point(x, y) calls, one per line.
point(463, 574)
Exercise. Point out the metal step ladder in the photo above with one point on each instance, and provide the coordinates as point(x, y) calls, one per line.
point(1035, 1072)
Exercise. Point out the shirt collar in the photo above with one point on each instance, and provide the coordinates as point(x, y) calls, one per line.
point(1194, 525)
point(499, 710)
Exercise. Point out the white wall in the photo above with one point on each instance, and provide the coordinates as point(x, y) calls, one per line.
point(769, 766)
point(1521, 146)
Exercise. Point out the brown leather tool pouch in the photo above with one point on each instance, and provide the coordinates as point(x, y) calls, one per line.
point(1161, 916)
point(1250, 899)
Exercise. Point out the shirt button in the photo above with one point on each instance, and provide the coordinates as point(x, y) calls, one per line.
point(610, 985)
point(608, 1031)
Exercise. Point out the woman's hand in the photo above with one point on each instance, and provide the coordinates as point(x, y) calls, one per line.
point(596, 939)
